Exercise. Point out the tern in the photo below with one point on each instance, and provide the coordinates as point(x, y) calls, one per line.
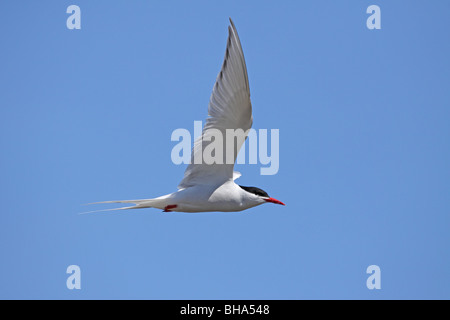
point(208, 187)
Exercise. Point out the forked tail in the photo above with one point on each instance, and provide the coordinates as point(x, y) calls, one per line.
point(138, 204)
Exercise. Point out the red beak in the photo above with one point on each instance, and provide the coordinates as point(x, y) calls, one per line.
point(274, 201)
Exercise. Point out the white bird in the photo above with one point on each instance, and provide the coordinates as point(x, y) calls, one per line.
point(211, 187)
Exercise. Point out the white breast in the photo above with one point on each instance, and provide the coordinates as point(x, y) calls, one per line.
point(202, 198)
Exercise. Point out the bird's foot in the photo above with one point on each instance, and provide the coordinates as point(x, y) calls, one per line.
point(169, 207)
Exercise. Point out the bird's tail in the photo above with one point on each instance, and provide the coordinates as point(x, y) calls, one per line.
point(138, 204)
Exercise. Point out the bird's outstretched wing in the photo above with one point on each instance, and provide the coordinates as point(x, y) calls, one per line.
point(229, 108)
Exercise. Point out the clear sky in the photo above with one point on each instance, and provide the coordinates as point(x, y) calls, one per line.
point(364, 121)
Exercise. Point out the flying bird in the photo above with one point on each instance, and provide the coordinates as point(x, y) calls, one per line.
point(210, 186)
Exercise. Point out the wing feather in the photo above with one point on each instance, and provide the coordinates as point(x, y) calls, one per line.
point(229, 108)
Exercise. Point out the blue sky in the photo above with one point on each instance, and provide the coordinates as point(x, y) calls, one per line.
point(364, 118)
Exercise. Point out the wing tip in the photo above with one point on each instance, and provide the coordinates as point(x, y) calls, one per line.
point(231, 22)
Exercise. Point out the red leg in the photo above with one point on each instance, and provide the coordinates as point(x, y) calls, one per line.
point(170, 206)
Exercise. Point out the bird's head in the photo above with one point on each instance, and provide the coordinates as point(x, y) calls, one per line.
point(260, 195)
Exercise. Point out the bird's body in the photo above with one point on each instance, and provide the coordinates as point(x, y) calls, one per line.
point(200, 198)
point(209, 185)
